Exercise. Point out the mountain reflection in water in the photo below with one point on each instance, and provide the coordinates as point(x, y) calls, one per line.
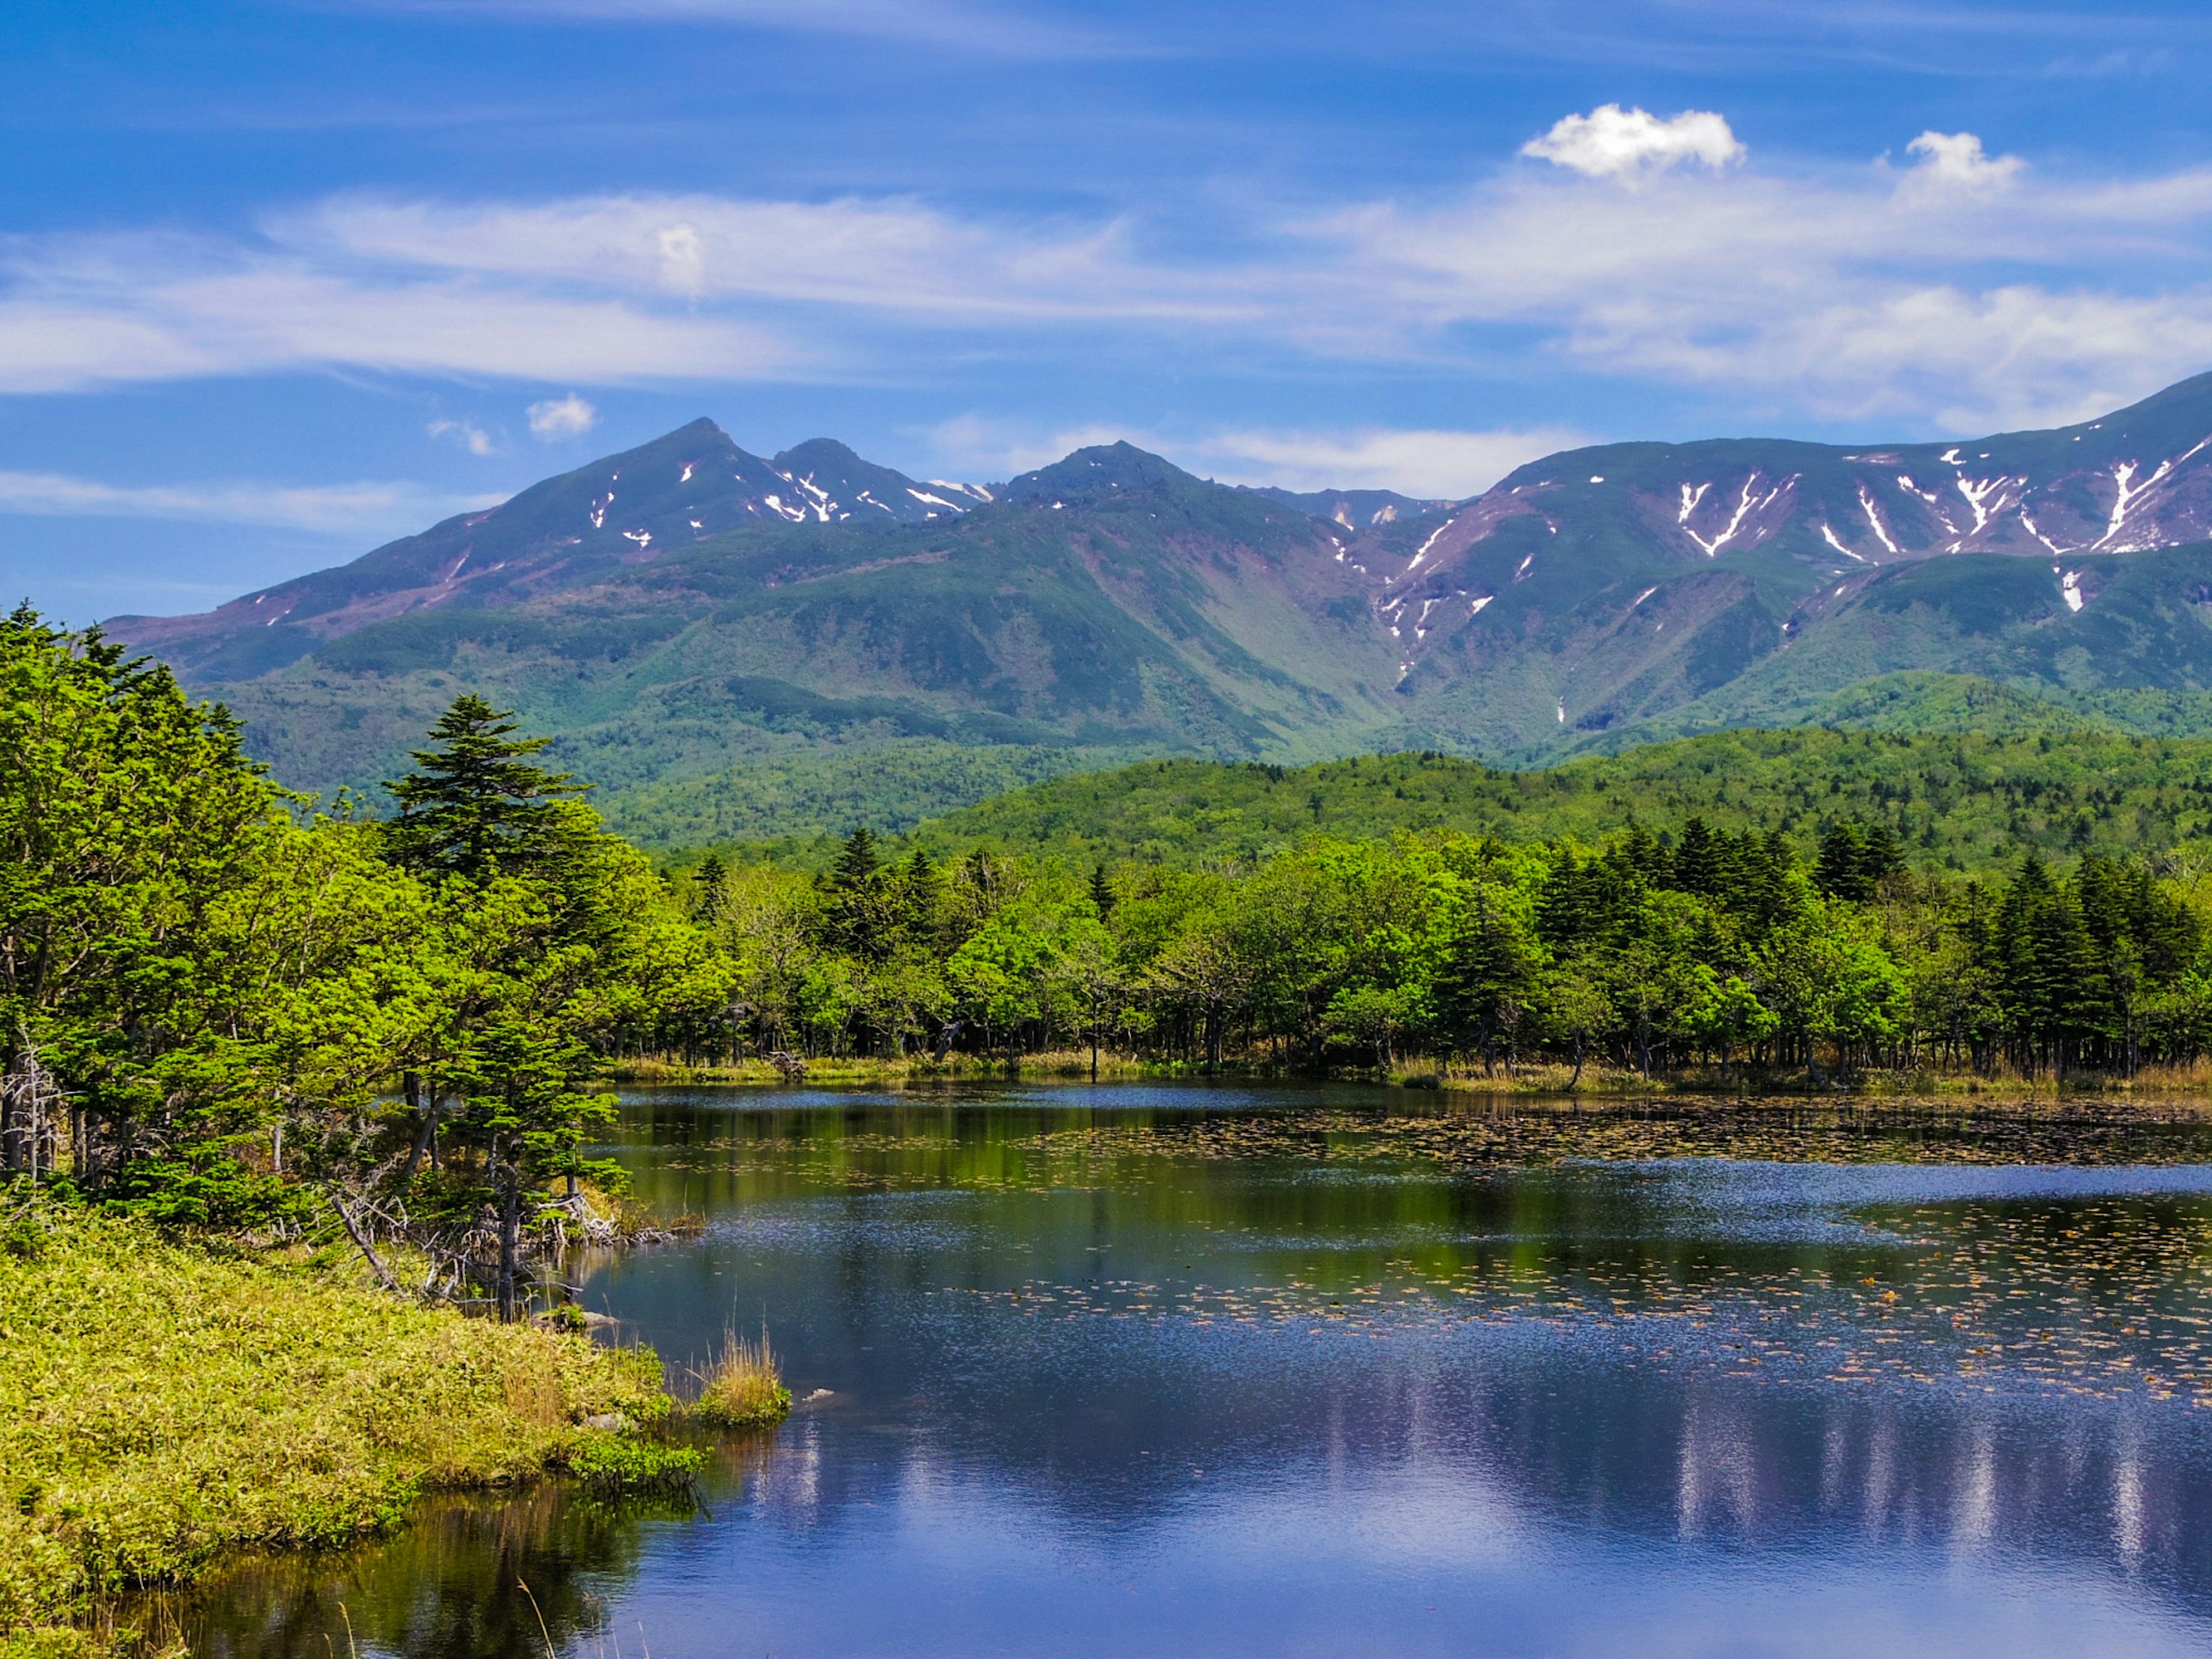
point(1348, 1371)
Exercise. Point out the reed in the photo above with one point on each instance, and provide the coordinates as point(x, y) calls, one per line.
point(742, 1387)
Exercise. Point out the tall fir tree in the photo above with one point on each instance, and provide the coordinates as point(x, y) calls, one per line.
point(475, 805)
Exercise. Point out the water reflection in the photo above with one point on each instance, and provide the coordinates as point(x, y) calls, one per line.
point(1216, 1373)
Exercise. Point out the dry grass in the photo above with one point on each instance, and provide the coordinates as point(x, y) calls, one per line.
point(160, 1404)
point(742, 1386)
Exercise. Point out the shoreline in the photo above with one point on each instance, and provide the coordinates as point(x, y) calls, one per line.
point(1531, 1082)
point(165, 1407)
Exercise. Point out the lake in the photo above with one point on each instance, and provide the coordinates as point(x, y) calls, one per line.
point(1234, 1370)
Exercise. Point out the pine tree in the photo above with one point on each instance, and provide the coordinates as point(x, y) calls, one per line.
point(856, 919)
point(919, 898)
point(1101, 892)
point(1842, 871)
point(1702, 861)
point(475, 806)
point(707, 883)
point(1488, 970)
point(1884, 857)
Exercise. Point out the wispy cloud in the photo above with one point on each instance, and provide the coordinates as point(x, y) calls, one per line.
point(82, 312)
point(1443, 464)
point(344, 509)
point(893, 256)
point(949, 25)
point(1951, 286)
point(1430, 463)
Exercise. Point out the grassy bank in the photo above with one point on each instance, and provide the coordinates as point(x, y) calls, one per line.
point(1418, 1072)
point(849, 1071)
point(161, 1403)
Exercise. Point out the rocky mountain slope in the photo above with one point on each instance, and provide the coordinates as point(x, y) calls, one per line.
point(704, 629)
point(1603, 588)
point(566, 533)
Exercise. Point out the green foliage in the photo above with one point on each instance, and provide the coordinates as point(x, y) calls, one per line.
point(1655, 951)
point(617, 1465)
point(206, 1003)
point(805, 791)
point(1965, 801)
point(474, 807)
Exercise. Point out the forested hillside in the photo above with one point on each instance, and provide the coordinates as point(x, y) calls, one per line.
point(1957, 801)
point(1792, 900)
point(221, 1010)
point(735, 648)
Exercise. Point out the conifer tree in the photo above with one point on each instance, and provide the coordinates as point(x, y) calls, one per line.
point(475, 806)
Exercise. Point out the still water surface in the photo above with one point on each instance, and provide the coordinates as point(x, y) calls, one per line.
point(1244, 1371)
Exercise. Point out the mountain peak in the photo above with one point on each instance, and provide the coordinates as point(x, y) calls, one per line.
point(1101, 470)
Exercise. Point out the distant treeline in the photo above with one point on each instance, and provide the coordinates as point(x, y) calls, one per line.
point(1711, 946)
point(1967, 802)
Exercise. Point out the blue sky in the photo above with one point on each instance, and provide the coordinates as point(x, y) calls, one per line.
point(281, 281)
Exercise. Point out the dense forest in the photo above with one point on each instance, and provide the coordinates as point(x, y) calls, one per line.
point(224, 1004)
point(1960, 802)
point(221, 1008)
point(1711, 947)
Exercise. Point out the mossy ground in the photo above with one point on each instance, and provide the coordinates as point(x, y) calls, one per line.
point(161, 1403)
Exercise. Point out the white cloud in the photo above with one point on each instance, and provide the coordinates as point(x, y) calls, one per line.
point(332, 509)
point(468, 435)
point(557, 418)
point(1413, 462)
point(1966, 290)
point(1857, 294)
point(1956, 159)
point(1611, 141)
point(944, 25)
point(683, 258)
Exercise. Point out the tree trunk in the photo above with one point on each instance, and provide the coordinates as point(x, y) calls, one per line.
point(361, 1244)
point(426, 1131)
point(1581, 1048)
point(510, 1226)
point(14, 1130)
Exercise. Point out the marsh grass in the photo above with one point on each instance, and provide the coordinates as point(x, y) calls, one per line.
point(741, 1387)
point(1600, 1075)
point(1064, 1063)
point(160, 1404)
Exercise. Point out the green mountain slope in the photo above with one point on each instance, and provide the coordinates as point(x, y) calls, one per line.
point(1111, 605)
point(703, 630)
point(1964, 801)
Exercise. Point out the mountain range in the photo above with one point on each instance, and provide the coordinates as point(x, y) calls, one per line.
point(735, 646)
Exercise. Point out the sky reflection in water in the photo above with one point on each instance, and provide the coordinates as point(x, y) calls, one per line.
point(1229, 1372)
